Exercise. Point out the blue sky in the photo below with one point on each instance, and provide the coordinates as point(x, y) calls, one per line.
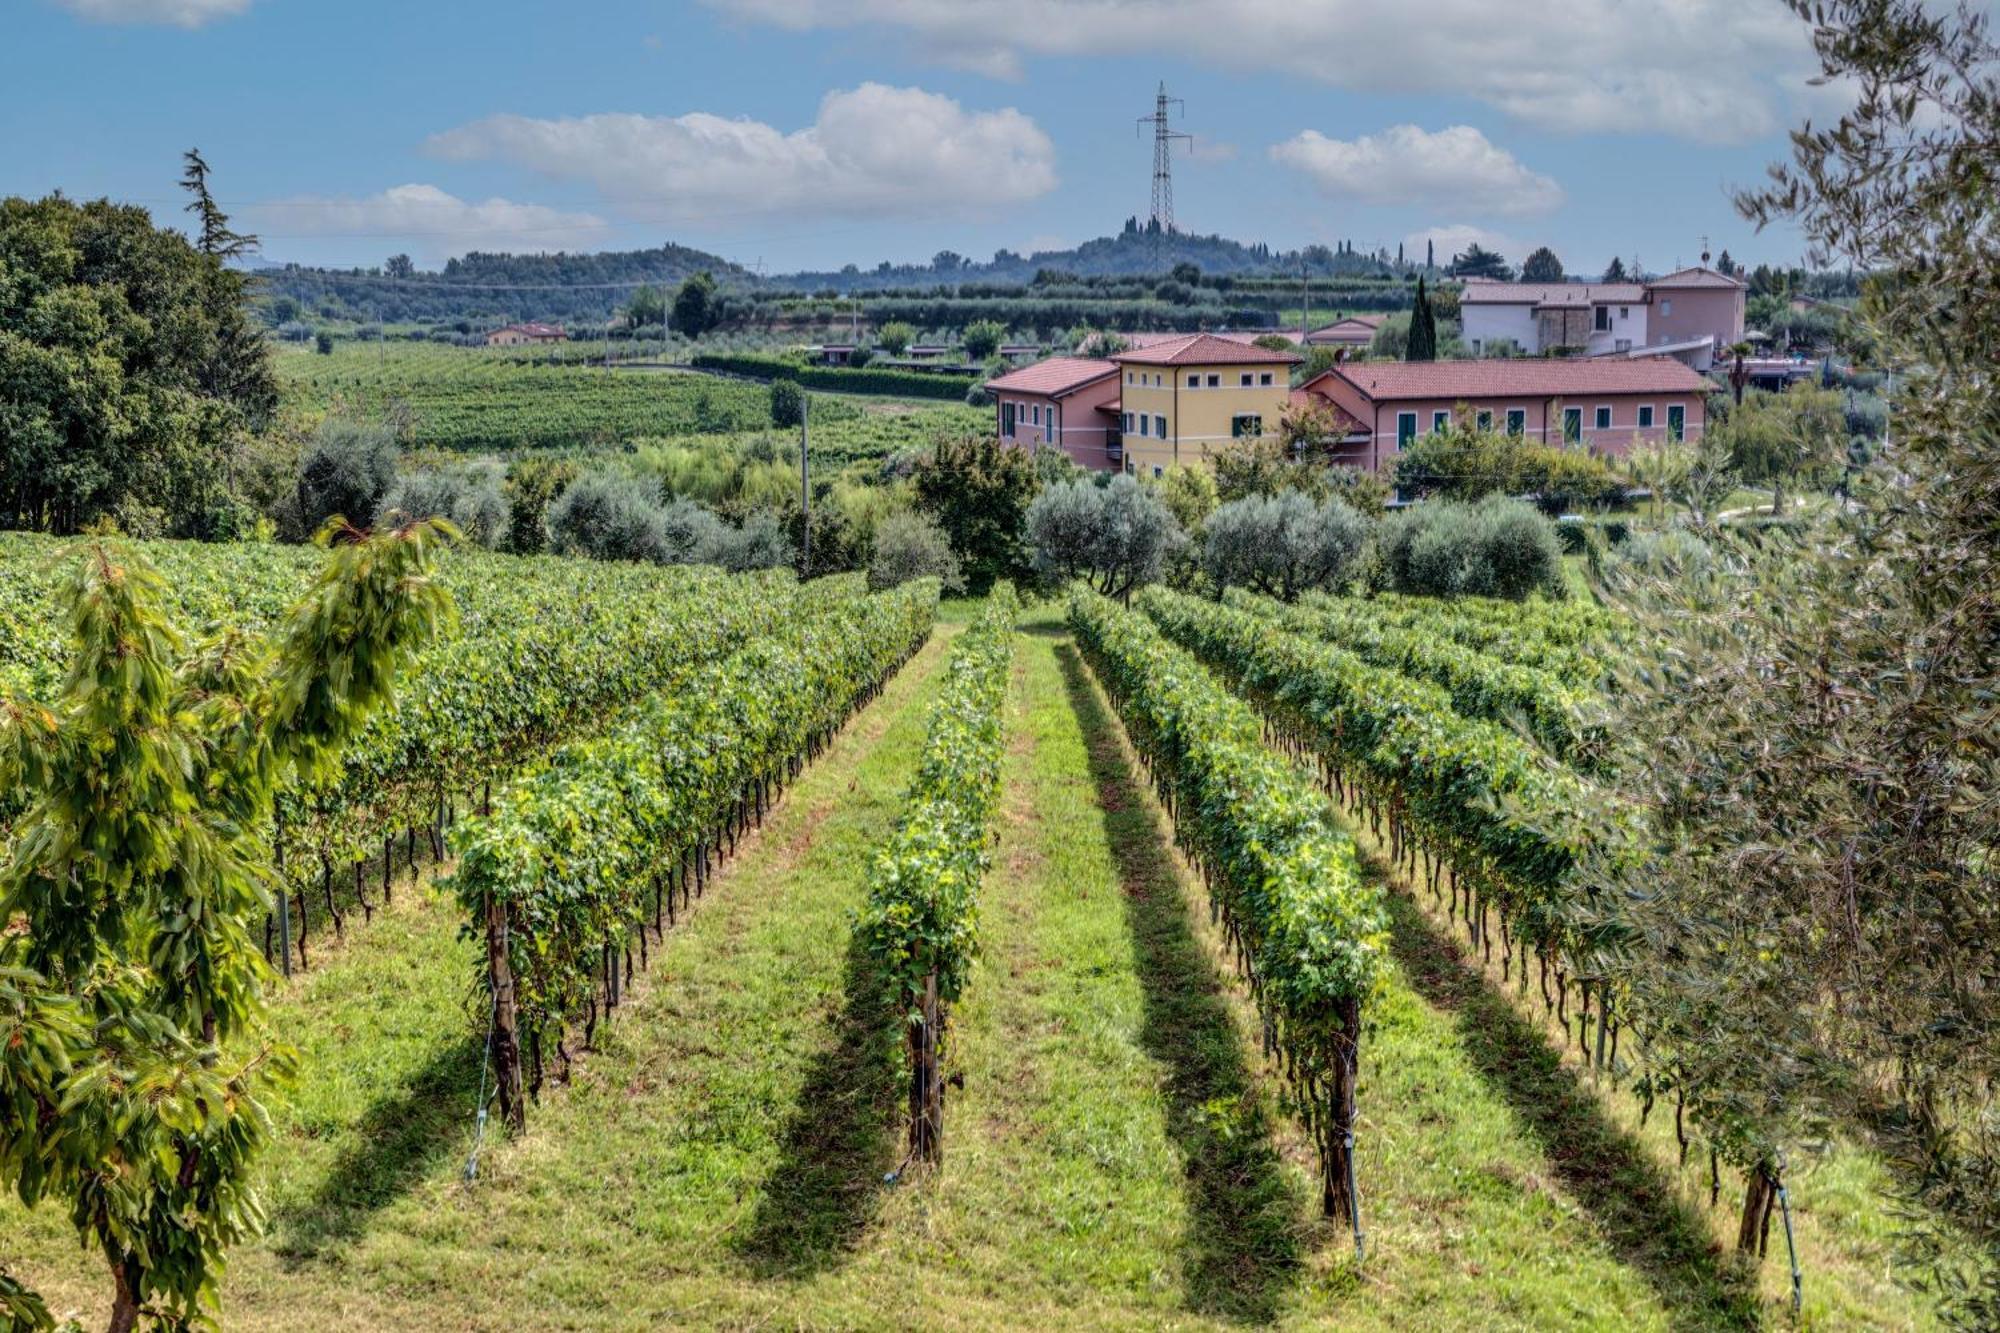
point(810, 133)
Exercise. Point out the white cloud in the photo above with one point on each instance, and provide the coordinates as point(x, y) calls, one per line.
point(1709, 70)
point(1453, 239)
point(179, 13)
point(1406, 164)
point(427, 221)
point(873, 152)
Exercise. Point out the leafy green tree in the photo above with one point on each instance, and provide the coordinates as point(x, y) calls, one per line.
point(648, 306)
point(1542, 266)
point(1478, 262)
point(1283, 545)
point(345, 471)
point(132, 1082)
point(128, 375)
point(1423, 339)
point(534, 482)
point(1118, 536)
point(1819, 894)
point(323, 343)
point(909, 546)
point(978, 490)
point(697, 308)
point(1776, 437)
point(982, 339)
point(895, 337)
point(788, 404)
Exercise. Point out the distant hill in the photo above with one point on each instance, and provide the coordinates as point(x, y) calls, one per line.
point(483, 289)
point(487, 288)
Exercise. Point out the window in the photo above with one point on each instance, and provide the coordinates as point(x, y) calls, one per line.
point(1666, 307)
point(1603, 418)
point(1600, 318)
point(1125, 422)
point(1158, 471)
point(1485, 420)
point(1245, 424)
point(1160, 427)
point(1007, 420)
point(1194, 381)
point(1475, 346)
point(1128, 377)
point(1144, 422)
point(1517, 421)
point(1440, 421)
point(1264, 380)
point(1624, 312)
point(1156, 381)
point(1038, 414)
point(1406, 428)
point(1645, 415)
point(1215, 381)
point(1244, 380)
point(1572, 424)
point(1676, 422)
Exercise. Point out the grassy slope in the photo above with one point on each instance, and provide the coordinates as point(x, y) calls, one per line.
point(1117, 1157)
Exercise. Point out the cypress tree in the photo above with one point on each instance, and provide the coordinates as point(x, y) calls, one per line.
point(1422, 345)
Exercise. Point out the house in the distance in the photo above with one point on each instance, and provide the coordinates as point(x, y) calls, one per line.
point(1180, 399)
point(1691, 315)
point(1607, 405)
point(1068, 402)
point(1355, 333)
point(519, 335)
point(1170, 399)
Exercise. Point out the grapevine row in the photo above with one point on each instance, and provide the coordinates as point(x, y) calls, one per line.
point(919, 925)
point(1555, 711)
point(607, 842)
point(1308, 930)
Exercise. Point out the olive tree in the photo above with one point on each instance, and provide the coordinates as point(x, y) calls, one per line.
point(1118, 536)
point(1284, 545)
point(909, 546)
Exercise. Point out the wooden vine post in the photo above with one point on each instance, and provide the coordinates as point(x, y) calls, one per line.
point(1337, 1161)
point(926, 1079)
point(506, 1035)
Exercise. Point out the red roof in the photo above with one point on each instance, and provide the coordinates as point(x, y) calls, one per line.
point(1480, 291)
point(1527, 377)
point(1054, 377)
point(1203, 349)
point(1697, 276)
point(1345, 422)
point(1139, 340)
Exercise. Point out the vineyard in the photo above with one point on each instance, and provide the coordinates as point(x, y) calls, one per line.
point(686, 949)
point(504, 399)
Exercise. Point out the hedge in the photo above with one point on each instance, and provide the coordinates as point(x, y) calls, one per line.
point(896, 383)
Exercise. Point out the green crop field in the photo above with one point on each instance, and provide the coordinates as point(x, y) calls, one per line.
point(503, 399)
point(725, 817)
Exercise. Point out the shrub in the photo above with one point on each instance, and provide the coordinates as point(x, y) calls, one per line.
point(323, 343)
point(895, 337)
point(346, 470)
point(470, 496)
point(788, 403)
point(609, 518)
point(978, 491)
point(1118, 536)
point(1495, 548)
point(859, 358)
point(1284, 545)
point(909, 546)
point(982, 339)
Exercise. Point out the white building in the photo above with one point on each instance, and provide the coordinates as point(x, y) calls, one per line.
point(1687, 315)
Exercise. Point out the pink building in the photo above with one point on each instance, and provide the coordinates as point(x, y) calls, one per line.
point(1070, 402)
point(1607, 406)
point(1694, 315)
point(1698, 303)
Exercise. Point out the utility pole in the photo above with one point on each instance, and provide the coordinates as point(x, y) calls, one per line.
point(1163, 161)
point(1305, 298)
point(805, 488)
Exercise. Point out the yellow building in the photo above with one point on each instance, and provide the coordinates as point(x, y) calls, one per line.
point(1181, 399)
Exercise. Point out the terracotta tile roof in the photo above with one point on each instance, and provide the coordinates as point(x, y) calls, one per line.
point(1528, 377)
point(1345, 422)
point(1479, 291)
point(1054, 377)
point(1697, 277)
point(1136, 341)
point(1203, 349)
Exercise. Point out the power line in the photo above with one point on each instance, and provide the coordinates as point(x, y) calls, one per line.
point(1163, 158)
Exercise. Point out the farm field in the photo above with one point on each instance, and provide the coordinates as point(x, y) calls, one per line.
point(1121, 1154)
point(500, 400)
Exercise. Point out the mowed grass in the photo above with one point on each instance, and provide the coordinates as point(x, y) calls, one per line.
point(1119, 1155)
